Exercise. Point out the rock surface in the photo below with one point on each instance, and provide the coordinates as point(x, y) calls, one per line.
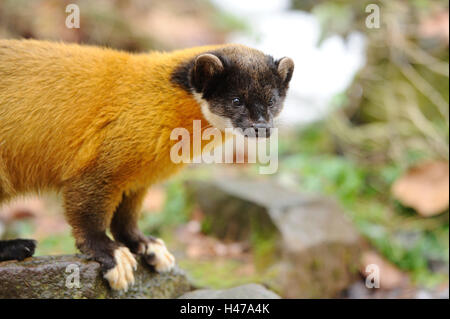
point(249, 291)
point(359, 290)
point(56, 277)
point(319, 248)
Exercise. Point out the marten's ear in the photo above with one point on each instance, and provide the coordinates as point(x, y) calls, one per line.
point(206, 66)
point(285, 69)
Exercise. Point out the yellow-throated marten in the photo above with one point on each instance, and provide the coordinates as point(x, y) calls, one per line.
point(95, 124)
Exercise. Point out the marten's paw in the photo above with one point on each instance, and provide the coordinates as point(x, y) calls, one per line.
point(16, 249)
point(121, 276)
point(156, 254)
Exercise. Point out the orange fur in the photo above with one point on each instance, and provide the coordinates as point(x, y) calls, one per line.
point(64, 107)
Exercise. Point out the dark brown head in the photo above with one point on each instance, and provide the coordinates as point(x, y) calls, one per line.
point(237, 86)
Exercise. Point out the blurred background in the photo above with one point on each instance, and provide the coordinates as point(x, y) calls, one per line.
point(363, 172)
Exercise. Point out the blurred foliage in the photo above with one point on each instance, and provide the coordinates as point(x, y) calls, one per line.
point(223, 273)
point(132, 25)
point(394, 115)
point(53, 244)
point(60, 244)
point(264, 250)
point(406, 239)
point(397, 108)
point(176, 210)
point(338, 17)
point(102, 22)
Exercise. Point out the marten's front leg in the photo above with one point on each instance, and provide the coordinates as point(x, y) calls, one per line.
point(125, 230)
point(89, 204)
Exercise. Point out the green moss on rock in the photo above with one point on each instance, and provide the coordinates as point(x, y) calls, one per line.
point(55, 277)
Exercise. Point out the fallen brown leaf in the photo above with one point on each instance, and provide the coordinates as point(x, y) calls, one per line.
point(390, 276)
point(424, 188)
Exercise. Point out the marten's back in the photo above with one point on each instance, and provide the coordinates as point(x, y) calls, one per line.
point(61, 103)
point(50, 97)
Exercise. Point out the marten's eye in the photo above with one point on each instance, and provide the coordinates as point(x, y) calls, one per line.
point(236, 101)
point(272, 101)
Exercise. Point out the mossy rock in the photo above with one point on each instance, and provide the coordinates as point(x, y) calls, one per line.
point(55, 277)
point(316, 248)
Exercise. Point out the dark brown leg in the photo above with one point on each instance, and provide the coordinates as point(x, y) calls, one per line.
point(89, 204)
point(125, 218)
point(125, 230)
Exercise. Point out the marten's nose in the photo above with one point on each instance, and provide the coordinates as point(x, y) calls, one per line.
point(262, 127)
point(262, 123)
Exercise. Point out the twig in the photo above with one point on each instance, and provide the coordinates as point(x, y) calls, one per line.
point(425, 88)
point(422, 57)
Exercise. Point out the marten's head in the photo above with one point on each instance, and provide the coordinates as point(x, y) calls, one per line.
point(238, 87)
